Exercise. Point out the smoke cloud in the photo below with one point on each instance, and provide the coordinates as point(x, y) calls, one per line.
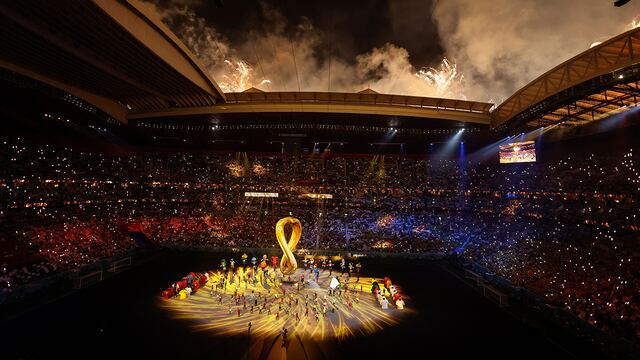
point(498, 45)
point(501, 45)
point(272, 59)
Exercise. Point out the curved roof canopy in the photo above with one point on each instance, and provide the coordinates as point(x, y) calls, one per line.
point(110, 53)
point(564, 84)
point(120, 58)
point(364, 102)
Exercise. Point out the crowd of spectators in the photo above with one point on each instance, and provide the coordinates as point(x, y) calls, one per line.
point(567, 230)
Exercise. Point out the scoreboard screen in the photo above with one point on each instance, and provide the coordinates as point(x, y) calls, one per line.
point(518, 152)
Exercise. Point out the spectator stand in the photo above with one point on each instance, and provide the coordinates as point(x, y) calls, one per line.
point(557, 324)
point(14, 301)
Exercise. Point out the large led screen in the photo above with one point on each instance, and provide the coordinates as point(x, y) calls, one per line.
point(518, 152)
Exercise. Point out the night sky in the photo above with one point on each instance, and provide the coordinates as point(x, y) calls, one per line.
point(348, 28)
point(478, 50)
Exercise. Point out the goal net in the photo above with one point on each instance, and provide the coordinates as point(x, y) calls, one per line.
point(120, 264)
point(88, 279)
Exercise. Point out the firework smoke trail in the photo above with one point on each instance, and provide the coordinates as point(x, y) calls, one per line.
point(632, 25)
point(446, 79)
point(210, 47)
point(386, 69)
point(501, 45)
point(238, 76)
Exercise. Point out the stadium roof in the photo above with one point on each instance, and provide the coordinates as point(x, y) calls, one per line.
point(120, 58)
point(369, 102)
point(123, 60)
point(112, 54)
point(589, 86)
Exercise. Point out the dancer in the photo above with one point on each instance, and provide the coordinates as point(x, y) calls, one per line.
point(384, 303)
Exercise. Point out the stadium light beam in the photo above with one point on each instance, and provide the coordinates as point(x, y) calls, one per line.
point(490, 150)
point(450, 145)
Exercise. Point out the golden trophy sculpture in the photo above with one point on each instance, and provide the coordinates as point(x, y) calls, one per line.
point(288, 264)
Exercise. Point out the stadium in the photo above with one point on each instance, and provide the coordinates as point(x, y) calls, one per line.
point(160, 201)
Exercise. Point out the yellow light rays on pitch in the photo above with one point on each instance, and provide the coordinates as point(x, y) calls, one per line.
point(356, 311)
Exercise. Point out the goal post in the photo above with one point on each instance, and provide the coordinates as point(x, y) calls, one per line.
point(120, 264)
point(88, 279)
